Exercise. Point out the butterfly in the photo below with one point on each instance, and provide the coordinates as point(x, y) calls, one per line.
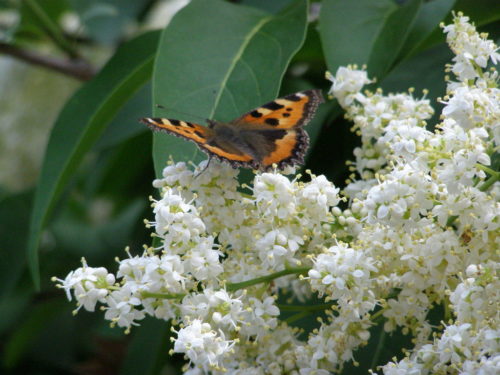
point(269, 135)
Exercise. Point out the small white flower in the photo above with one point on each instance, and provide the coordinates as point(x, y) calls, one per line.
point(202, 260)
point(176, 221)
point(347, 82)
point(472, 50)
point(202, 345)
point(123, 308)
point(216, 307)
point(88, 284)
point(259, 317)
point(344, 274)
point(274, 193)
point(174, 176)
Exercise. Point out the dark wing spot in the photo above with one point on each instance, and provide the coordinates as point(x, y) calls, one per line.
point(289, 109)
point(286, 114)
point(199, 134)
point(272, 106)
point(293, 98)
point(256, 114)
point(274, 135)
point(189, 124)
point(272, 121)
point(175, 122)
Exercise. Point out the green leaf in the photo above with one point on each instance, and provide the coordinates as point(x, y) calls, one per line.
point(81, 122)
point(365, 32)
point(422, 71)
point(14, 214)
point(269, 6)
point(392, 37)
point(12, 308)
point(106, 20)
point(75, 235)
point(380, 350)
point(125, 125)
point(430, 15)
point(148, 349)
point(31, 26)
point(480, 12)
point(349, 29)
point(219, 60)
point(37, 319)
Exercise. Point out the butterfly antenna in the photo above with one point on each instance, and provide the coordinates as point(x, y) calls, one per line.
point(206, 167)
point(179, 112)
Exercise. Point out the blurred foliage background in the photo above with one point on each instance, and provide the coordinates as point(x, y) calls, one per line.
point(76, 166)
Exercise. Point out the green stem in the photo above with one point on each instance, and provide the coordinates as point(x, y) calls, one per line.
point(447, 311)
point(296, 317)
point(231, 287)
point(494, 177)
point(52, 29)
point(377, 315)
point(451, 220)
point(302, 308)
point(490, 181)
point(236, 286)
point(487, 169)
point(378, 350)
point(162, 295)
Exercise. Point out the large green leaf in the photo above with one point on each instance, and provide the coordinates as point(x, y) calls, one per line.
point(269, 6)
point(218, 60)
point(36, 320)
point(81, 122)
point(430, 15)
point(481, 13)
point(125, 125)
point(31, 26)
point(392, 37)
point(14, 214)
point(148, 349)
point(106, 20)
point(422, 71)
point(349, 29)
point(365, 32)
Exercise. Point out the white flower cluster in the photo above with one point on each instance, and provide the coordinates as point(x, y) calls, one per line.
point(430, 210)
point(471, 345)
point(423, 213)
point(202, 281)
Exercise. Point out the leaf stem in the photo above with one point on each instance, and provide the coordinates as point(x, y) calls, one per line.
point(490, 181)
point(378, 350)
point(78, 69)
point(487, 169)
point(494, 176)
point(231, 287)
point(51, 28)
point(302, 308)
point(244, 284)
point(297, 316)
point(163, 295)
point(374, 317)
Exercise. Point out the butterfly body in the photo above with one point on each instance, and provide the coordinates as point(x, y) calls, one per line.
point(270, 134)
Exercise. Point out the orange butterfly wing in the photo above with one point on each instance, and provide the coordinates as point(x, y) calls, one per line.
point(291, 111)
point(288, 150)
point(201, 135)
point(280, 123)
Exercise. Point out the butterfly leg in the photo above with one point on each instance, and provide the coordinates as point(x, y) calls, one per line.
point(206, 167)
